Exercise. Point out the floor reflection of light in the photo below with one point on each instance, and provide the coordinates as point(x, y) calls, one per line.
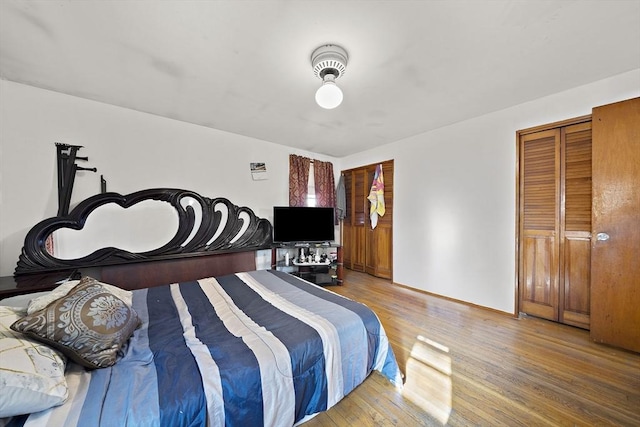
point(433, 343)
point(428, 378)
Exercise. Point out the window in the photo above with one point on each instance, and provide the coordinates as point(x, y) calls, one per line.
point(311, 189)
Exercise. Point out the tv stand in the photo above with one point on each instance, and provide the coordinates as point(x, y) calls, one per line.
point(326, 271)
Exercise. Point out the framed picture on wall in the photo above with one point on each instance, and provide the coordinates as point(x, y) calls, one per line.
point(258, 171)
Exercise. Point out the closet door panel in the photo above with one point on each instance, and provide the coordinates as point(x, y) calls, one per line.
point(360, 219)
point(370, 255)
point(539, 290)
point(358, 253)
point(348, 195)
point(347, 228)
point(360, 193)
point(575, 304)
point(575, 279)
point(378, 240)
point(577, 177)
point(383, 250)
point(540, 190)
point(370, 236)
point(540, 171)
point(387, 171)
point(347, 244)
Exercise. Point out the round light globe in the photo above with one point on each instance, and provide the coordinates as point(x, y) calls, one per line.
point(329, 95)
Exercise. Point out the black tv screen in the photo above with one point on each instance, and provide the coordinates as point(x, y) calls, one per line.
point(303, 224)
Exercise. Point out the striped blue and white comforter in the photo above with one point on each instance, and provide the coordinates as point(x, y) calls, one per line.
point(249, 349)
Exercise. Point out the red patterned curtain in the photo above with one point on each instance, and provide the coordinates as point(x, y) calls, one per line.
point(298, 180)
point(325, 184)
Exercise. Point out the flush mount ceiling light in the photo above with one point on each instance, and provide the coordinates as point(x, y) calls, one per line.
point(329, 62)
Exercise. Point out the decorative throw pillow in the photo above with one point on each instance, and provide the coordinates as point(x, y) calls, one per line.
point(89, 324)
point(41, 301)
point(31, 373)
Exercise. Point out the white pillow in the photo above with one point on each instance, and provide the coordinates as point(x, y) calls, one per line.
point(31, 373)
point(39, 303)
point(20, 302)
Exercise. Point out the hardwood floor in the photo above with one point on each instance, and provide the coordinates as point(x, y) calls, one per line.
point(466, 366)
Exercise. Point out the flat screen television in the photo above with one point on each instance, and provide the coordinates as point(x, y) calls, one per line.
point(302, 225)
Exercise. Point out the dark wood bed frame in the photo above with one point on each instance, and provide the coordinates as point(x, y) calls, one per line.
point(237, 238)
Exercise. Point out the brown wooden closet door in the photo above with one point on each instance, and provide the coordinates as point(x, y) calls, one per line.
point(360, 216)
point(575, 226)
point(353, 226)
point(379, 241)
point(539, 197)
point(615, 262)
point(367, 249)
point(347, 228)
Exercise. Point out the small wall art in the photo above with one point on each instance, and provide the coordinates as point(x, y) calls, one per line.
point(258, 171)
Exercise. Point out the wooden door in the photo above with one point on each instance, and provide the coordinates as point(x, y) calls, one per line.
point(379, 241)
point(539, 224)
point(366, 249)
point(370, 234)
point(615, 254)
point(353, 225)
point(347, 228)
point(575, 225)
point(380, 250)
point(555, 221)
point(360, 216)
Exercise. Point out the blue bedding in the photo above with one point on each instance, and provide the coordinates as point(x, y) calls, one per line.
point(260, 348)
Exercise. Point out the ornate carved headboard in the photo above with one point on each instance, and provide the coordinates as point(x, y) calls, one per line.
point(206, 227)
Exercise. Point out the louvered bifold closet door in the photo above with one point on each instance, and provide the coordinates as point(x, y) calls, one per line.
point(347, 223)
point(366, 249)
point(353, 228)
point(379, 240)
point(360, 219)
point(539, 223)
point(575, 216)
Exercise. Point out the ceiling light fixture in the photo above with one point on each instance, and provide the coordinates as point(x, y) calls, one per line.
point(329, 62)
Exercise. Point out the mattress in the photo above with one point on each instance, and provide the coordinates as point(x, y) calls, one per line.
point(259, 348)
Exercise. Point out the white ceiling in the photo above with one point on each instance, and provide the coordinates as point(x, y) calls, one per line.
point(244, 66)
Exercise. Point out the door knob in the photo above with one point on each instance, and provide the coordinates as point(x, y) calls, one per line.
point(603, 237)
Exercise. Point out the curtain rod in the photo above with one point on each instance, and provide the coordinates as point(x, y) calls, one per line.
point(310, 159)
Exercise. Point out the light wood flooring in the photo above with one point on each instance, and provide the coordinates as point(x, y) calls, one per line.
point(466, 365)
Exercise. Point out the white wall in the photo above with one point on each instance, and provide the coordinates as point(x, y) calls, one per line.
point(133, 151)
point(454, 195)
point(454, 201)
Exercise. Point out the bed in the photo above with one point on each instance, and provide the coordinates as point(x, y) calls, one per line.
point(241, 348)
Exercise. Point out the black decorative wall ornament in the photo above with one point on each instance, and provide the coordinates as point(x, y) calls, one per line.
point(241, 230)
point(67, 155)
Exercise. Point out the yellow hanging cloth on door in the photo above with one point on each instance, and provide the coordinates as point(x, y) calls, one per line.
point(376, 197)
